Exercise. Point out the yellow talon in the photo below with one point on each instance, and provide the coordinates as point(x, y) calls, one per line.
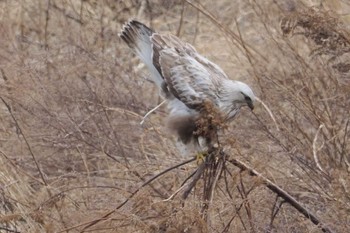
point(200, 157)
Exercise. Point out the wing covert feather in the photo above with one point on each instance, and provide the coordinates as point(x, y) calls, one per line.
point(188, 79)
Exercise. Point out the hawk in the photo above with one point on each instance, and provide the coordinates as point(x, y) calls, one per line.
point(186, 80)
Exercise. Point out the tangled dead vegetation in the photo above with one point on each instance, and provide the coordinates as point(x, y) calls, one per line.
point(74, 157)
point(328, 34)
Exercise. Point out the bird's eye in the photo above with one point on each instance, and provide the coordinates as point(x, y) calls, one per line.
point(247, 98)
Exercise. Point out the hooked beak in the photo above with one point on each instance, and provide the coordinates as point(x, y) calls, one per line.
point(250, 105)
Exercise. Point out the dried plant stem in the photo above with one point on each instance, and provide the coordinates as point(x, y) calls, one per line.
point(234, 38)
point(314, 149)
point(268, 111)
point(47, 18)
point(244, 194)
point(181, 19)
point(194, 181)
point(25, 140)
point(275, 209)
point(9, 230)
point(152, 110)
point(33, 156)
point(218, 172)
point(106, 215)
point(281, 193)
point(174, 194)
point(182, 186)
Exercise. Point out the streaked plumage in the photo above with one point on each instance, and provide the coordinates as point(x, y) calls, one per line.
point(185, 78)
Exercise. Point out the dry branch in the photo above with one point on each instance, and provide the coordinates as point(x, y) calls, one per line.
point(25, 140)
point(196, 177)
point(208, 167)
point(236, 40)
point(281, 193)
point(106, 215)
point(33, 156)
point(9, 230)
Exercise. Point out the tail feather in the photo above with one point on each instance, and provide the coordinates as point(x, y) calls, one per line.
point(133, 31)
point(138, 37)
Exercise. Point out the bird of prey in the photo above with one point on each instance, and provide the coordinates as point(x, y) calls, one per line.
point(186, 79)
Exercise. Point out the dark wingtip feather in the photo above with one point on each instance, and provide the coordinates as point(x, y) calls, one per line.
point(132, 30)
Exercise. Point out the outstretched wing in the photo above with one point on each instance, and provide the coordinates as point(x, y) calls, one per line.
point(189, 77)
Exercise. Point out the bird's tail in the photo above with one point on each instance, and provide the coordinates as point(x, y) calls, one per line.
point(138, 37)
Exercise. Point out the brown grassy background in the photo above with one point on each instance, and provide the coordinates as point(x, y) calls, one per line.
point(72, 149)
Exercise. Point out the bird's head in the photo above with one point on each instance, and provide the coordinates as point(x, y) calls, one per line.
point(236, 95)
point(246, 96)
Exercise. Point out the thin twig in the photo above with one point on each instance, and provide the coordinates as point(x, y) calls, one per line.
point(282, 193)
point(275, 209)
point(181, 19)
point(234, 38)
point(195, 179)
point(174, 194)
point(248, 209)
point(25, 140)
point(314, 149)
point(226, 182)
point(106, 215)
point(218, 174)
point(152, 110)
point(47, 18)
point(344, 144)
point(268, 111)
point(33, 156)
point(233, 217)
point(9, 230)
point(182, 186)
point(69, 16)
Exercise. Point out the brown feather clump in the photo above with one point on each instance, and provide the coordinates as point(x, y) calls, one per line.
point(208, 123)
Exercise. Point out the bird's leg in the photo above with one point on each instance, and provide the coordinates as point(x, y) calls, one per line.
point(152, 110)
point(202, 150)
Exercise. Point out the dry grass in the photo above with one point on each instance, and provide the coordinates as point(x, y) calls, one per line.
point(72, 148)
